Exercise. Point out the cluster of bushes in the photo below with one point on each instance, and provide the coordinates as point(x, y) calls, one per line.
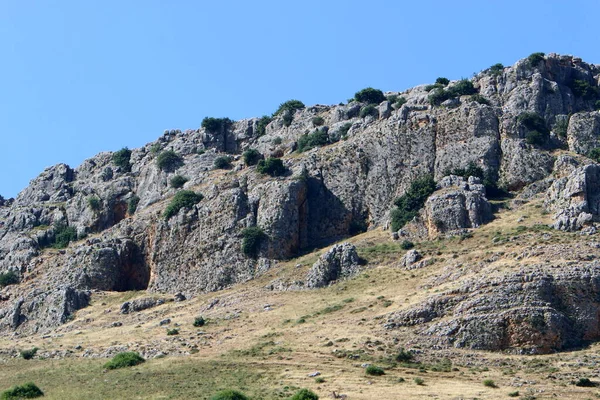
point(496, 69)
point(261, 125)
point(8, 278)
point(271, 166)
point(316, 139)
point(63, 235)
point(535, 58)
point(169, 161)
point(463, 87)
point(122, 159)
point(584, 89)
point(216, 125)
point(223, 162)
point(409, 204)
point(252, 157)
point(440, 83)
point(488, 178)
point(538, 133)
point(369, 96)
point(289, 106)
point(26, 391)
point(125, 359)
point(252, 239)
point(182, 199)
point(178, 181)
point(132, 204)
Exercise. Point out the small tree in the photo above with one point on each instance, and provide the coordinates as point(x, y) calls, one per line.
point(216, 125)
point(289, 106)
point(178, 181)
point(251, 157)
point(496, 69)
point(222, 162)
point(132, 204)
point(261, 125)
point(122, 159)
point(409, 204)
point(252, 239)
point(199, 321)
point(535, 58)
point(442, 81)
point(462, 88)
point(169, 161)
point(316, 139)
point(271, 166)
point(370, 96)
point(182, 199)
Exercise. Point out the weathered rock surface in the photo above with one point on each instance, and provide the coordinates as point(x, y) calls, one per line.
point(341, 262)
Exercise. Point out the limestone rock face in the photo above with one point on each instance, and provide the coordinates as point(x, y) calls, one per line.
point(340, 262)
point(583, 133)
point(531, 311)
point(575, 198)
point(458, 204)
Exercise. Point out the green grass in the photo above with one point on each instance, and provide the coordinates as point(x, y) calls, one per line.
point(167, 378)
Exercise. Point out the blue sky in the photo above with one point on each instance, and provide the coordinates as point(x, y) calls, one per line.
point(83, 76)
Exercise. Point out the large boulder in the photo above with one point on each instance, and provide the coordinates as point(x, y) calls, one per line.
point(340, 262)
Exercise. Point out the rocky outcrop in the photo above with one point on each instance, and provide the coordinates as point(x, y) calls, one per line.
point(531, 311)
point(583, 133)
point(341, 262)
point(575, 199)
point(457, 205)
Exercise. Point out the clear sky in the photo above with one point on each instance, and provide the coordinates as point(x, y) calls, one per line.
point(83, 76)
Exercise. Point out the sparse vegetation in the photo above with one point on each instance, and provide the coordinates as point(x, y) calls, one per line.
point(406, 245)
point(496, 69)
point(404, 356)
point(489, 383)
point(229, 395)
point(271, 166)
point(199, 321)
point(304, 394)
point(28, 354)
point(479, 99)
point(261, 125)
point(93, 203)
point(419, 381)
point(316, 139)
point(223, 162)
point(125, 359)
point(368, 110)
point(122, 159)
point(585, 382)
point(584, 89)
point(8, 278)
point(318, 121)
point(464, 87)
point(289, 107)
point(560, 127)
point(132, 204)
point(252, 239)
point(514, 394)
point(216, 125)
point(252, 157)
point(26, 391)
point(374, 370)
point(63, 235)
point(178, 181)
point(538, 132)
point(169, 161)
point(535, 58)
point(172, 332)
point(442, 81)
point(369, 96)
point(400, 102)
point(409, 204)
point(594, 154)
point(182, 199)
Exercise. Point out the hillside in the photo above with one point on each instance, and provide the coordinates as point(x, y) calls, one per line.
point(490, 185)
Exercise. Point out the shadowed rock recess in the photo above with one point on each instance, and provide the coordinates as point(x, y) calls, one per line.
point(527, 129)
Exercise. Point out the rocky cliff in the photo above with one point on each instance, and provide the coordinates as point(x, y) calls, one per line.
point(517, 124)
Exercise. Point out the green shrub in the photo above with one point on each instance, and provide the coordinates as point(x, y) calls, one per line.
point(182, 199)
point(271, 166)
point(216, 125)
point(584, 89)
point(535, 58)
point(480, 99)
point(178, 181)
point(252, 239)
point(318, 121)
point(436, 86)
point(169, 161)
point(368, 110)
point(392, 98)
point(442, 81)
point(93, 203)
point(438, 96)
point(406, 245)
point(369, 96)
point(463, 87)
point(277, 140)
point(514, 394)
point(199, 321)
point(107, 174)
point(536, 138)
point(122, 159)
point(412, 201)
point(304, 394)
point(155, 148)
point(496, 69)
point(316, 139)
point(343, 131)
point(489, 383)
point(222, 162)
point(28, 354)
point(585, 382)
point(404, 356)
point(261, 125)
point(400, 102)
point(319, 379)
point(252, 157)
point(132, 204)
point(125, 359)
point(560, 127)
point(594, 154)
point(172, 332)
point(229, 395)
point(26, 391)
point(8, 278)
point(374, 370)
point(536, 125)
point(419, 381)
point(289, 106)
point(288, 117)
point(63, 235)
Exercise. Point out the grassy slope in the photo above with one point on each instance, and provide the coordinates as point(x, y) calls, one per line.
point(268, 354)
